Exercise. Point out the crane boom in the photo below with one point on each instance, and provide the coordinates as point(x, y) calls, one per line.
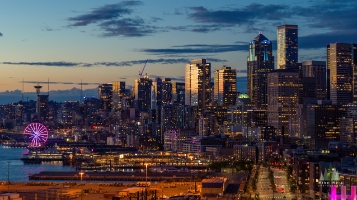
point(142, 71)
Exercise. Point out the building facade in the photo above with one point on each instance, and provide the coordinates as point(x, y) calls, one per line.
point(105, 94)
point(283, 90)
point(197, 83)
point(287, 46)
point(225, 86)
point(340, 61)
point(142, 93)
point(260, 63)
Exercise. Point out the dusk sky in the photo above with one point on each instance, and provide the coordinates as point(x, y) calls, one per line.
point(105, 41)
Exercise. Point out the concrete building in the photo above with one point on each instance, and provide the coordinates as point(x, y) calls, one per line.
point(246, 152)
point(341, 59)
point(283, 91)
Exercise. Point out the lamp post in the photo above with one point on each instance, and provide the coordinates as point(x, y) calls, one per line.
point(81, 173)
point(146, 182)
point(8, 175)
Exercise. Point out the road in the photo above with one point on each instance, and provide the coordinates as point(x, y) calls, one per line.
point(264, 188)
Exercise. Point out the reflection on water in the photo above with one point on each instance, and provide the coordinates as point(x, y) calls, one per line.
point(18, 170)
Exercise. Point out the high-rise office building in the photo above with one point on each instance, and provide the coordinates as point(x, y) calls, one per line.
point(142, 93)
point(225, 86)
point(161, 92)
point(313, 80)
point(348, 124)
point(42, 103)
point(118, 88)
point(178, 93)
point(197, 83)
point(119, 95)
point(323, 122)
point(260, 63)
point(283, 91)
point(287, 46)
point(340, 72)
point(105, 94)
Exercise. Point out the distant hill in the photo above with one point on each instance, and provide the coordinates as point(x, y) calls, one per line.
point(73, 94)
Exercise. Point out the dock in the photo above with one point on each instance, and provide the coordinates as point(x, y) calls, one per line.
point(112, 176)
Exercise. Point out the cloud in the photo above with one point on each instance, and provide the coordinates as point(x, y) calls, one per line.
point(243, 16)
point(322, 39)
point(129, 27)
point(198, 28)
point(114, 20)
point(110, 64)
point(56, 64)
point(328, 15)
point(240, 16)
point(106, 12)
point(47, 28)
point(199, 48)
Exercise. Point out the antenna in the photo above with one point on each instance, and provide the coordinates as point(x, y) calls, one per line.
point(23, 82)
point(80, 99)
point(48, 86)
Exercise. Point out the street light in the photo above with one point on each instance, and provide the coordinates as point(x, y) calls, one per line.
point(146, 181)
point(81, 173)
point(8, 175)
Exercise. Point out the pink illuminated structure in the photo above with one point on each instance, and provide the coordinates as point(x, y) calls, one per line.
point(36, 133)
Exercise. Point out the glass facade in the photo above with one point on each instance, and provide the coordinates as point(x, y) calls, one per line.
point(225, 86)
point(142, 92)
point(105, 94)
point(260, 63)
point(340, 72)
point(287, 45)
point(197, 83)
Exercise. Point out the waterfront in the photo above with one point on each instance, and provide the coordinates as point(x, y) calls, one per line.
point(18, 170)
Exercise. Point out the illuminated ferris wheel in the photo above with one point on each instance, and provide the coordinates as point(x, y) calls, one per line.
point(36, 134)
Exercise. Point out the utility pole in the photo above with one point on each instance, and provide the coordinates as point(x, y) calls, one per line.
point(8, 175)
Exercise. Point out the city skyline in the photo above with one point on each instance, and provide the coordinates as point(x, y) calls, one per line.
point(110, 41)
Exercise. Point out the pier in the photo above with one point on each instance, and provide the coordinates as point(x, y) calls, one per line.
point(112, 176)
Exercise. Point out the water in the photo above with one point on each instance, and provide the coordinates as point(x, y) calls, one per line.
point(18, 170)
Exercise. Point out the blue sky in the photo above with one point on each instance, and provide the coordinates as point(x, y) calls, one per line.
point(105, 41)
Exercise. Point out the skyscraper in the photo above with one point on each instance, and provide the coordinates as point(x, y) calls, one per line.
point(287, 46)
point(105, 94)
point(283, 90)
point(197, 83)
point(225, 86)
point(340, 72)
point(178, 92)
point(313, 80)
point(260, 63)
point(161, 92)
point(142, 93)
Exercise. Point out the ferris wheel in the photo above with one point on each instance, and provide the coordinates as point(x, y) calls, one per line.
point(36, 134)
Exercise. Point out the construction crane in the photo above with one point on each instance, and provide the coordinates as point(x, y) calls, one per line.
point(142, 71)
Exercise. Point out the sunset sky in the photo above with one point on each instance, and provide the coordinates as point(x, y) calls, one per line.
point(105, 41)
